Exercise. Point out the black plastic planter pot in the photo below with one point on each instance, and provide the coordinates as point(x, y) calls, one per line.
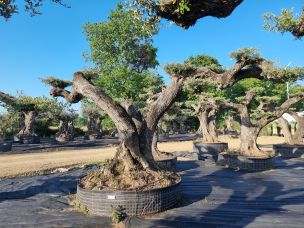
point(133, 202)
point(207, 151)
point(289, 151)
point(167, 164)
point(31, 139)
point(6, 146)
point(250, 164)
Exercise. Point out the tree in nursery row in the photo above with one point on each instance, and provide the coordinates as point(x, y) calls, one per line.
point(94, 116)
point(29, 109)
point(258, 107)
point(134, 156)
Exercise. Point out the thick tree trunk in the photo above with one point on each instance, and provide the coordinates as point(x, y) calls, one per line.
point(286, 131)
point(249, 145)
point(297, 137)
point(28, 128)
point(66, 130)
point(207, 126)
point(94, 128)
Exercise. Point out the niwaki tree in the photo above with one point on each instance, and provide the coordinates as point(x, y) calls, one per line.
point(94, 116)
point(29, 109)
point(134, 160)
point(257, 108)
point(204, 98)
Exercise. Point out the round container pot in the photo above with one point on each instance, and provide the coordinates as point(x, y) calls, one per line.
point(133, 202)
point(289, 151)
point(250, 164)
point(6, 146)
point(167, 163)
point(92, 137)
point(207, 151)
point(32, 139)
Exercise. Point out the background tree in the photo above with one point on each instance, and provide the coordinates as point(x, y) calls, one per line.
point(66, 125)
point(94, 117)
point(286, 22)
point(258, 107)
point(9, 7)
point(29, 109)
point(294, 131)
point(204, 98)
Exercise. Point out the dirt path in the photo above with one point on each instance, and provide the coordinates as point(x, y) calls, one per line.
point(17, 164)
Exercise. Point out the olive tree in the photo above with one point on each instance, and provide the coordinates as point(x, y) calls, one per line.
point(257, 108)
point(29, 109)
point(94, 117)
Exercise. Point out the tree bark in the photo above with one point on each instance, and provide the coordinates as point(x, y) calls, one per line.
point(28, 125)
point(94, 128)
point(66, 129)
point(207, 126)
point(297, 137)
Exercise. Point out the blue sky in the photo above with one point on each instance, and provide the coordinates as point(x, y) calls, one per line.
point(52, 44)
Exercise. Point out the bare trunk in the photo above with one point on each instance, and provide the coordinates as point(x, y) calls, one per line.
point(249, 145)
point(66, 130)
point(207, 126)
point(28, 126)
point(94, 128)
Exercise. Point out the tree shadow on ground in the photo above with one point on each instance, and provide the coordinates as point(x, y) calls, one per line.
point(236, 199)
point(62, 184)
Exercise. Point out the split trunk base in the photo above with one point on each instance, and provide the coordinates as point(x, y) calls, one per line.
point(132, 202)
point(246, 163)
point(209, 151)
point(289, 151)
point(6, 146)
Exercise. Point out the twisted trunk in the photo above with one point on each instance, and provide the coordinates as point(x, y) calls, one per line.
point(66, 130)
point(94, 128)
point(28, 124)
point(207, 126)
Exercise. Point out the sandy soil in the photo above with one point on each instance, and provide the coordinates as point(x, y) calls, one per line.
point(26, 163)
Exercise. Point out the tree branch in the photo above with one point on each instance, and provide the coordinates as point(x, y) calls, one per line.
point(279, 111)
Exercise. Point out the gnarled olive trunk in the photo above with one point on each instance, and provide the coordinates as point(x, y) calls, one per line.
point(28, 124)
point(66, 130)
point(207, 126)
point(297, 137)
point(94, 128)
